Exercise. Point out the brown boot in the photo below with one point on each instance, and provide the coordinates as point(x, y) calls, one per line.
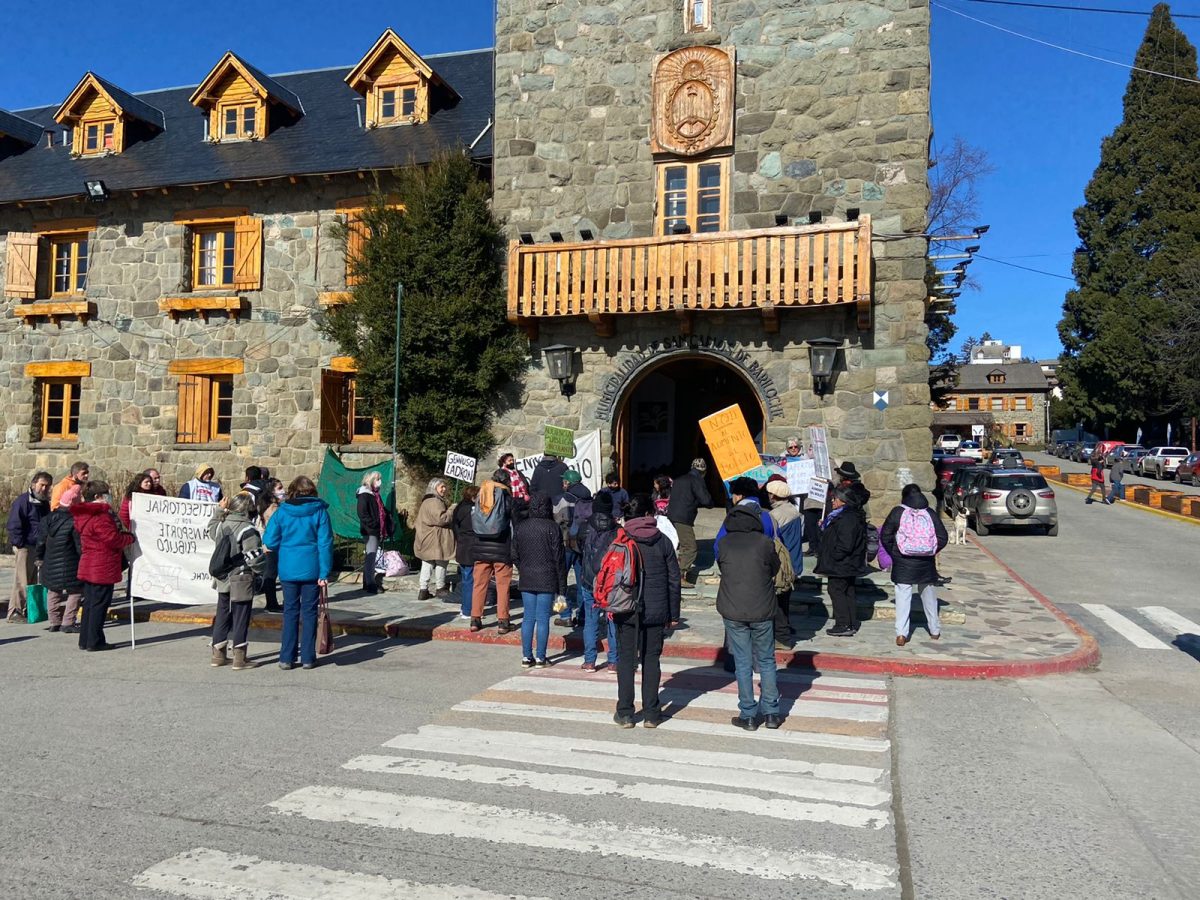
point(240, 661)
point(219, 658)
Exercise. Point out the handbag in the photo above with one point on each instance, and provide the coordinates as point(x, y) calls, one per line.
point(324, 626)
point(35, 604)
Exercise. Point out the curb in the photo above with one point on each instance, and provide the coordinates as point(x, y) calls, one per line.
point(1166, 513)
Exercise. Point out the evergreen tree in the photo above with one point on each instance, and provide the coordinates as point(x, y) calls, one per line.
point(457, 349)
point(1139, 224)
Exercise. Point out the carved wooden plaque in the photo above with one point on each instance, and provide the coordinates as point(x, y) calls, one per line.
point(693, 100)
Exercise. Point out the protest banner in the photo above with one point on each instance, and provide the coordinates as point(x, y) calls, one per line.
point(820, 452)
point(559, 442)
point(799, 474)
point(173, 549)
point(460, 467)
point(769, 465)
point(733, 449)
point(818, 490)
point(585, 461)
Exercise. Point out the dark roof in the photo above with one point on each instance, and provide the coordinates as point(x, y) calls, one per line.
point(328, 138)
point(21, 129)
point(974, 417)
point(132, 106)
point(1017, 377)
point(273, 87)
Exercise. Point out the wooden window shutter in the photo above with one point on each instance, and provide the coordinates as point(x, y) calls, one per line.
point(356, 240)
point(20, 272)
point(195, 400)
point(334, 408)
point(247, 253)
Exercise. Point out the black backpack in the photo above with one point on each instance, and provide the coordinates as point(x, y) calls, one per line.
point(227, 555)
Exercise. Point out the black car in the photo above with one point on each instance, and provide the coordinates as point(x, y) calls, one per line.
point(960, 488)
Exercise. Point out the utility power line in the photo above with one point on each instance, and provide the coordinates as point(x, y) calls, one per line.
point(1094, 9)
point(1025, 268)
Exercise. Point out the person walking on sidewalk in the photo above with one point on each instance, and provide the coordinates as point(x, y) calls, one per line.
point(434, 542)
point(595, 538)
point(688, 494)
point(58, 550)
point(235, 587)
point(464, 548)
point(746, 602)
point(492, 526)
point(789, 532)
point(537, 550)
point(842, 557)
point(640, 634)
point(1120, 469)
point(913, 537)
point(103, 544)
point(1096, 462)
point(374, 524)
point(300, 534)
point(24, 531)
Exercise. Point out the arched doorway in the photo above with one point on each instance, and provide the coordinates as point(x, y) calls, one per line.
point(657, 427)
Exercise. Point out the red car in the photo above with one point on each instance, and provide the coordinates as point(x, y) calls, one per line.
point(945, 468)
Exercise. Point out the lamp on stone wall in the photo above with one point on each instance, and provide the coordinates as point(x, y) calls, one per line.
point(560, 363)
point(96, 191)
point(822, 353)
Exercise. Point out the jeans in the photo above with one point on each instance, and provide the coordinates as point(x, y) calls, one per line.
point(300, 600)
point(753, 643)
point(231, 624)
point(370, 580)
point(466, 584)
point(436, 569)
point(96, 598)
point(843, 597)
point(535, 614)
point(639, 644)
point(571, 562)
point(1116, 491)
point(591, 625)
point(929, 601)
point(484, 573)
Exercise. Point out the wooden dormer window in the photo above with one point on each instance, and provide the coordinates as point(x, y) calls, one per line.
point(239, 120)
point(399, 87)
point(995, 378)
point(105, 119)
point(242, 103)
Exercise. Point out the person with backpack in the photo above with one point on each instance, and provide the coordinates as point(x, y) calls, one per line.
point(101, 559)
point(842, 557)
point(491, 525)
point(743, 491)
point(237, 557)
point(688, 494)
point(913, 536)
point(537, 548)
point(58, 550)
point(789, 539)
point(746, 602)
point(571, 510)
point(374, 524)
point(1096, 461)
point(650, 571)
point(599, 532)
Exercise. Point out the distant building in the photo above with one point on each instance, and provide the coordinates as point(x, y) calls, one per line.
point(1008, 402)
point(995, 353)
point(1050, 370)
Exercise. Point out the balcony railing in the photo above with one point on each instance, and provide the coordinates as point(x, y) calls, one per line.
point(765, 270)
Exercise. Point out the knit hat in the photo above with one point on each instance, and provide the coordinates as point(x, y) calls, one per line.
point(699, 465)
point(744, 486)
point(603, 503)
point(70, 495)
point(778, 489)
point(572, 477)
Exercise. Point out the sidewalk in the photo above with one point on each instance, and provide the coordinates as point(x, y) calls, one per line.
point(993, 625)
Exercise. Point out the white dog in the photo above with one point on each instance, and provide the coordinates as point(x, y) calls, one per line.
point(960, 528)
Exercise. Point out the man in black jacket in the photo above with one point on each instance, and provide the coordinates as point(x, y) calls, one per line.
point(58, 551)
point(24, 530)
point(842, 558)
point(688, 494)
point(746, 601)
point(548, 478)
point(918, 570)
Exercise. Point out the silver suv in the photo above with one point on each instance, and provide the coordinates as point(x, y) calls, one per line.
point(1012, 497)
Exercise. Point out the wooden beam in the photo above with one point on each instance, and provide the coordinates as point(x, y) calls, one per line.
point(770, 316)
point(202, 306)
point(211, 214)
point(333, 299)
point(606, 326)
point(206, 367)
point(55, 310)
point(64, 226)
point(66, 369)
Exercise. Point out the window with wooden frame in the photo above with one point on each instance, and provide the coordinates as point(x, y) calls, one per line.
point(213, 256)
point(996, 378)
point(239, 121)
point(997, 404)
point(59, 408)
point(225, 253)
point(1021, 430)
point(973, 403)
point(99, 137)
point(343, 416)
point(69, 261)
point(693, 196)
point(205, 409)
point(397, 103)
point(1021, 404)
point(697, 15)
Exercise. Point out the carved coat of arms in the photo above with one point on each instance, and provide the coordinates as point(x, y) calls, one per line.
point(693, 101)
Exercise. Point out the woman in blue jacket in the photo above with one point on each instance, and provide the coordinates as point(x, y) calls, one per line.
point(300, 534)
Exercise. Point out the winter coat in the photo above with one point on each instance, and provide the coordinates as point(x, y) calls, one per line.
point(25, 520)
point(688, 494)
point(789, 529)
point(659, 572)
point(1120, 469)
point(494, 548)
point(768, 524)
point(842, 551)
point(537, 550)
point(102, 541)
point(126, 510)
point(61, 488)
point(599, 532)
point(464, 536)
point(620, 498)
point(748, 564)
point(434, 541)
point(300, 534)
point(250, 543)
point(373, 520)
point(59, 549)
point(196, 489)
point(547, 478)
point(912, 569)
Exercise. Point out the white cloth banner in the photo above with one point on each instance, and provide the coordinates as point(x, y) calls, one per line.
point(173, 549)
point(799, 474)
point(586, 461)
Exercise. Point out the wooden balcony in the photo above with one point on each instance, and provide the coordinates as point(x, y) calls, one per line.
point(766, 270)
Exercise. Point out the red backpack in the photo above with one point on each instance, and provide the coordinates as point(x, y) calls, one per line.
point(617, 590)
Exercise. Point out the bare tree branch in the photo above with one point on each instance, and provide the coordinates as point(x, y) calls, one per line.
point(953, 186)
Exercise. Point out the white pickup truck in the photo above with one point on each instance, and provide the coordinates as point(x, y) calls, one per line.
point(949, 442)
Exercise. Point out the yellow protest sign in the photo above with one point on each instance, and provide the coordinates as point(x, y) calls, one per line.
point(733, 449)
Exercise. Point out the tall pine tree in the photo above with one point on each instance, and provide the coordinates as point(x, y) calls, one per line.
point(1139, 224)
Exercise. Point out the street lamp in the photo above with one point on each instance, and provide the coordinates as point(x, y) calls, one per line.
point(822, 353)
point(560, 363)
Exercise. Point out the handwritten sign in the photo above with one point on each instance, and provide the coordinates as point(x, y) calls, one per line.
point(460, 467)
point(820, 452)
point(733, 449)
point(560, 442)
point(173, 549)
point(585, 461)
point(818, 490)
point(800, 473)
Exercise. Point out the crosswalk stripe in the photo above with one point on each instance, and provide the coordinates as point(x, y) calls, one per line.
point(496, 824)
point(685, 772)
point(460, 741)
point(207, 874)
point(1171, 621)
point(575, 784)
point(1135, 634)
point(834, 681)
point(676, 723)
point(699, 699)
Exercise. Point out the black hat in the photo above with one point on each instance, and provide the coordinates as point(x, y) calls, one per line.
point(744, 486)
point(603, 502)
point(847, 470)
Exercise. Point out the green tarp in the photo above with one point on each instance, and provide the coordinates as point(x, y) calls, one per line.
point(337, 487)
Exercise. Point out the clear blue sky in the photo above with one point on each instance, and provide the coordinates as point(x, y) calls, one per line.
point(1039, 112)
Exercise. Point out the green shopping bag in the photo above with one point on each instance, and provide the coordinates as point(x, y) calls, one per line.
point(35, 604)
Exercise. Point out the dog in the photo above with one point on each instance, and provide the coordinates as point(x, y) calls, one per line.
point(960, 528)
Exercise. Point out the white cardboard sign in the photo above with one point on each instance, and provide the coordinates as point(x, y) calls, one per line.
point(173, 549)
point(460, 467)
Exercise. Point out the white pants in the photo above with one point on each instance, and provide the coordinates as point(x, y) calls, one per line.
point(929, 600)
point(437, 569)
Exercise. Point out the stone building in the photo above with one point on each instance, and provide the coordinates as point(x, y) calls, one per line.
point(166, 258)
point(698, 193)
point(1009, 403)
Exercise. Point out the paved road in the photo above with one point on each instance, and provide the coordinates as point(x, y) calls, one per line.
point(1045, 459)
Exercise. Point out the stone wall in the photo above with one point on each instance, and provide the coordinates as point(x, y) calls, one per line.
point(128, 409)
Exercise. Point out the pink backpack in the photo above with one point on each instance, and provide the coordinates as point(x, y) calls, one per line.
point(916, 535)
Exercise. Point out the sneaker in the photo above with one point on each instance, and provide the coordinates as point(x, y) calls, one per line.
point(564, 623)
point(623, 721)
point(744, 724)
point(526, 662)
point(610, 668)
point(465, 617)
point(541, 663)
point(839, 631)
point(651, 723)
point(588, 667)
point(287, 667)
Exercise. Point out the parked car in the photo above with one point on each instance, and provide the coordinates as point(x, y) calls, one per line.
point(1121, 452)
point(1161, 462)
point(1188, 471)
point(1106, 449)
point(1007, 458)
point(949, 442)
point(944, 469)
point(1065, 449)
point(939, 453)
point(1082, 452)
point(1009, 497)
point(961, 484)
point(971, 449)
